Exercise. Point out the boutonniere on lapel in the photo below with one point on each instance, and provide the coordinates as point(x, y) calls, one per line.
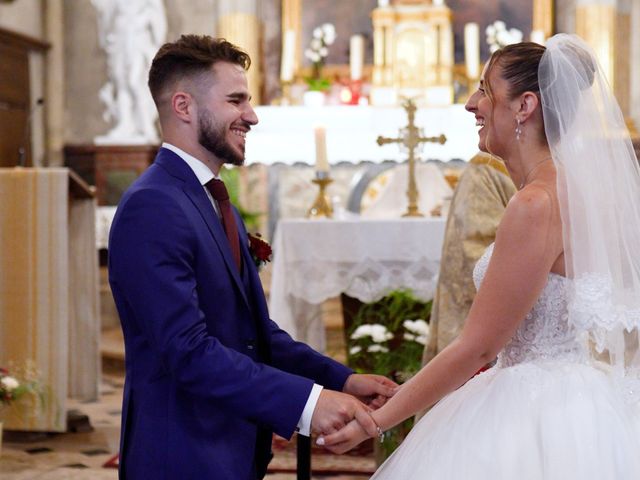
point(260, 250)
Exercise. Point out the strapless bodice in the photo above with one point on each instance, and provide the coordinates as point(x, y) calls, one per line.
point(545, 333)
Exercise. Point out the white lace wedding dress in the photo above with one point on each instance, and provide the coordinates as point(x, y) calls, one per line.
point(546, 411)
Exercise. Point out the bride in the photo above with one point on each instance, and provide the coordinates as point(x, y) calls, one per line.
point(559, 288)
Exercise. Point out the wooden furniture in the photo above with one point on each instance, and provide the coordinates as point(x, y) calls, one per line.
point(110, 168)
point(49, 307)
point(15, 97)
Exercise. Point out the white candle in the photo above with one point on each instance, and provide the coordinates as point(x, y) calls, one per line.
point(322, 165)
point(356, 56)
point(537, 36)
point(472, 50)
point(288, 54)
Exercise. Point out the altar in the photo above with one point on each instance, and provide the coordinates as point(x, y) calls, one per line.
point(315, 260)
point(286, 134)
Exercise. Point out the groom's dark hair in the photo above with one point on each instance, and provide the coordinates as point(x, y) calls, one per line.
point(189, 57)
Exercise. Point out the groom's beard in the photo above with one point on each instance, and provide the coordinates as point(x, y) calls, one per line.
point(213, 138)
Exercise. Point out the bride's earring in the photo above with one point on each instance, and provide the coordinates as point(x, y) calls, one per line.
point(518, 129)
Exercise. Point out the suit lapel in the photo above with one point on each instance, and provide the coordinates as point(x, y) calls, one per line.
point(192, 188)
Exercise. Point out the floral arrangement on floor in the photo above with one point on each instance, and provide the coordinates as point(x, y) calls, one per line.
point(12, 389)
point(323, 37)
point(388, 338)
point(498, 36)
point(22, 386)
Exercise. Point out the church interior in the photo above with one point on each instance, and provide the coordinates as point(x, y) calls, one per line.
point(349, 175)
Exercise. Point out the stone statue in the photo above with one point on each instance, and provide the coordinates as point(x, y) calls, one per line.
point(130, 32)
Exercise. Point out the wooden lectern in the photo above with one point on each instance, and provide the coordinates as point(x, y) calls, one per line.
point(49, 310)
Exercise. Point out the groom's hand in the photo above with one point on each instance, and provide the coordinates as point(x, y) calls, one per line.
point(335, 409)
point(374, 390)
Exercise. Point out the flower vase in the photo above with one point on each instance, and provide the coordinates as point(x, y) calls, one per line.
point(313, 98)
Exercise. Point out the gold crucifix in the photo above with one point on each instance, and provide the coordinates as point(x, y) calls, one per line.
point(410, 138)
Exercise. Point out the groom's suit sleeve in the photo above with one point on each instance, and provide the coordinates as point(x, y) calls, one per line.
point(297, 357)
point(153, 250)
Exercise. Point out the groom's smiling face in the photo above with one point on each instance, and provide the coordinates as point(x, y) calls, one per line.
point(225, 115)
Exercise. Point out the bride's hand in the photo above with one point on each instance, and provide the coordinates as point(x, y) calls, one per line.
point(344, 439)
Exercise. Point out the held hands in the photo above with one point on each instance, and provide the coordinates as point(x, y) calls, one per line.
point(374, 390)
point(342, 420)
point(334, 410)
point(347, 438)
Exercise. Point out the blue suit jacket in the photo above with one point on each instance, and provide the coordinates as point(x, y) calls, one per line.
point(208, 375)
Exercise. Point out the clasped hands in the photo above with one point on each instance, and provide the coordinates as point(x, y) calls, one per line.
point(343, 419)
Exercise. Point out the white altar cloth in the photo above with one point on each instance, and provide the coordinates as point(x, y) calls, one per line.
point(318, 259)
point(285, 134)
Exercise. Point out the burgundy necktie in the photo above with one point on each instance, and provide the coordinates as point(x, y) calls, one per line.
point(220, 195)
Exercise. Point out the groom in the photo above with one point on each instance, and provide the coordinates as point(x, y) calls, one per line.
point(209, 376)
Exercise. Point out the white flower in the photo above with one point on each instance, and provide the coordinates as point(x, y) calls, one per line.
point(323, 52)
point(410, 337)
point(378, 333)
point(317, 32)
point(491, 31)
point(516, 35)
point(329, 33)
point(422, 339)
point(9, 383)
point(500, 25)
point(419, 326)
point(361, 332)
point(354, 350)
point(316, 44)
point(377, 348)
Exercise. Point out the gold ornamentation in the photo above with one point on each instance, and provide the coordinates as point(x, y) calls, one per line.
point(321, 207)
point(410, 137)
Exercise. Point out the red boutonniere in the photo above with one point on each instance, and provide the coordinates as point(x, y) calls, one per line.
point(260, 250)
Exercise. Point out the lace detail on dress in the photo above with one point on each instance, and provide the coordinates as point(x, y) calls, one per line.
point(545, 333)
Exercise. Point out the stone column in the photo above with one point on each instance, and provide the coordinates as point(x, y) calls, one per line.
point(634, 60)
point(54, 83)
point(543, 17)
point(238, 22)
point(606, 26)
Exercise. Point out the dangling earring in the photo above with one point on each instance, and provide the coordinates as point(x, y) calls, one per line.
point(518, 129)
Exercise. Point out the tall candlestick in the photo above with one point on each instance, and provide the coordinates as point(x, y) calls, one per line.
point(288, 54)
point(472, 50)
point(356, 56)
point(322, 165)
point(537, 36)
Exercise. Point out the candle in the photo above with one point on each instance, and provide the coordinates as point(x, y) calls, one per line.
point(537, 36)
point(472, 50)
point(356, 56)
point(288, 54)
point(322, 165)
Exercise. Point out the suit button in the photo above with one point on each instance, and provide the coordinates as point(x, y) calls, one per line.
point(251, 344)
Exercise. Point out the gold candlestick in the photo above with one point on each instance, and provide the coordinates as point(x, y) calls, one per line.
point(321, 207)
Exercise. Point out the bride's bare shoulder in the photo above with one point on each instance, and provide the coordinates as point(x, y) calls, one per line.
point(531, 215)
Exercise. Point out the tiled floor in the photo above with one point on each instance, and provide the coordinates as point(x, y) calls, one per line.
point(82, 456)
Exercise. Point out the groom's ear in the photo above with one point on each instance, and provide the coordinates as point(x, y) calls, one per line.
point(182, 106)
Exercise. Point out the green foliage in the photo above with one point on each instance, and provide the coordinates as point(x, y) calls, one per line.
point(231, 178)
point(388, 338)
point(318, 84)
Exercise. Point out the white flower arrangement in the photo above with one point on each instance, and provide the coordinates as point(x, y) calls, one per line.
point(317, 52)
point(498, 36)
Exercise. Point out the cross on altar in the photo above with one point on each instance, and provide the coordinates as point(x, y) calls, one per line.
point(411, 137)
